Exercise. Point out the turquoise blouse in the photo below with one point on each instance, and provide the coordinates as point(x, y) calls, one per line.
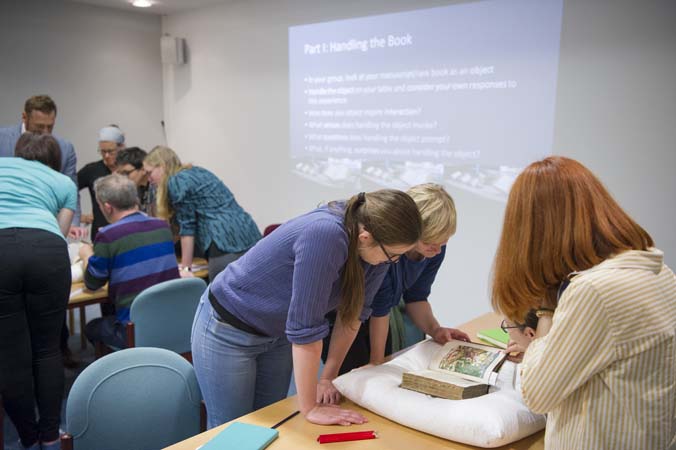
point(32, 194)
point(206, 209)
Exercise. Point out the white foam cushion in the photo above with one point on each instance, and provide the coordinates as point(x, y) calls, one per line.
point(492, 420)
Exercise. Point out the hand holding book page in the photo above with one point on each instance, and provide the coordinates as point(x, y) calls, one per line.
point(458, 371)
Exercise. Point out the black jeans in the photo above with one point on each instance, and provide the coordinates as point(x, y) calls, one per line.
point(359, 353)
point(34, 290)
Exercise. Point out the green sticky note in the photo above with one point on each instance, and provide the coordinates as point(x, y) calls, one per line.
point(494, 336)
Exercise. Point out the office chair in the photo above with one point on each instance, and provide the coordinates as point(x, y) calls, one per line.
point(137, 398)
point(162, 315)
point(270, 228)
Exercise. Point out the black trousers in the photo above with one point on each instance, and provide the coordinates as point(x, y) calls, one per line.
point(34, 290)
point(360, 351)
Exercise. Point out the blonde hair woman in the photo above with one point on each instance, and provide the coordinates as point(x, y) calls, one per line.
point(203, 208)
point(411, 279)
point(602, 364)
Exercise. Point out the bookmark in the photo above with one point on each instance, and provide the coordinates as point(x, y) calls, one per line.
point(343, 437)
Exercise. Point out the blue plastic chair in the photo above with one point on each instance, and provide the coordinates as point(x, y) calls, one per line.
point(137, 398)
point(162, 315)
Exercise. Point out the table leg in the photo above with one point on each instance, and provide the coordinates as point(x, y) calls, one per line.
point(71, 322)
point(83, 322)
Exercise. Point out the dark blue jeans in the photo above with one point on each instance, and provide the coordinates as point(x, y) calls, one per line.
point(34, 291)
point(108, 330)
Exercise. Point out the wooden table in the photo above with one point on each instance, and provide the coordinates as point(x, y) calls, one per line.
point(84, 297)
point(298, 433)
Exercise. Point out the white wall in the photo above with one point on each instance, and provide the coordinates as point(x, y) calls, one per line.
point(227, 110)
point(100, 66)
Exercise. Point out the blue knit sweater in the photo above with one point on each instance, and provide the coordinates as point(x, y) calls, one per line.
point(289, 280)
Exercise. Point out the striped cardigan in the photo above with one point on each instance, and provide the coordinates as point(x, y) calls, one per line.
point(606, 371)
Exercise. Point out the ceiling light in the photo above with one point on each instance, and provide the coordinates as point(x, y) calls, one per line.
point(142, 3)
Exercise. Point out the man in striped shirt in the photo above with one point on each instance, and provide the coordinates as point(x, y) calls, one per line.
point(131, 254)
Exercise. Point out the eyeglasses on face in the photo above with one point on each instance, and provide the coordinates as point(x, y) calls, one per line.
point(126, 173)
point(391, 259)
point(506, 327)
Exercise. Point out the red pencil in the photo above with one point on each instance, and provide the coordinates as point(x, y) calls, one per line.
point(342, 437)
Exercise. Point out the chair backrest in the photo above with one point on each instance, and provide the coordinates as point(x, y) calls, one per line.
point(270, 228)
point(163, 314)
point(137, 398)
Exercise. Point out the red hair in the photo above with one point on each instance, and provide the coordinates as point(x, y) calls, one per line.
point(559, 219)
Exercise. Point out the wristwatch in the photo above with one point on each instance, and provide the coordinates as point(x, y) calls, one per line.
point(184, 268)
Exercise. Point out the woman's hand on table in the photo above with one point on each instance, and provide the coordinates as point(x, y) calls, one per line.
point(334, 415)
point(327, 393)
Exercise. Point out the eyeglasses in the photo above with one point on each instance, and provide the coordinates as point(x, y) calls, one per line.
point(107, 152)
point(126, 173)
point(506, 327)
point(391, 259)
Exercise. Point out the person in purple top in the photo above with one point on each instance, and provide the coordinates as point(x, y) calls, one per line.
point(265, 313)
point(411, 280)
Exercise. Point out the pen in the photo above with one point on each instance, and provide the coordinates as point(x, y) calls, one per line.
point(289, 417)
point(342, 437)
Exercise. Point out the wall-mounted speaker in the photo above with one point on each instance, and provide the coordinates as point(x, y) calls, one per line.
point(173, 50)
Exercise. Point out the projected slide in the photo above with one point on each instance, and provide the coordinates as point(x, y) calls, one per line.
point(462, 95)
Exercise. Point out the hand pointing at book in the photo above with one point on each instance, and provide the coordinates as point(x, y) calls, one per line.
point(441, 335)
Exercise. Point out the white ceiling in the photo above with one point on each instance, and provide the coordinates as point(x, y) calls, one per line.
point(159, 6)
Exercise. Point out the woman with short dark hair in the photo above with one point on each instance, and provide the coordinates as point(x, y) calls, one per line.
point(37, 204)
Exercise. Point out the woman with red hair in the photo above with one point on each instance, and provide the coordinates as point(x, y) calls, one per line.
point(603, 361)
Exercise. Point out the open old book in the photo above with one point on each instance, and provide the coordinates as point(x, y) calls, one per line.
point(458, 371)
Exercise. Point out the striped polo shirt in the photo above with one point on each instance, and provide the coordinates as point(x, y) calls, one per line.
point(606, 371)
point(132, 254)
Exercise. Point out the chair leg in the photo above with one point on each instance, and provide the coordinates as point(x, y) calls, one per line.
point(83, 323)
point(203, 417)
point(66, 442)
point(131, 337)
point(71, 321)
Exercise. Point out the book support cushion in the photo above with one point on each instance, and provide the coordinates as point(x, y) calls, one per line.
point(492, 420)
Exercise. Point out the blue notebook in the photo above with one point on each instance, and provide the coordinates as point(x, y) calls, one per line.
point(242, 436)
